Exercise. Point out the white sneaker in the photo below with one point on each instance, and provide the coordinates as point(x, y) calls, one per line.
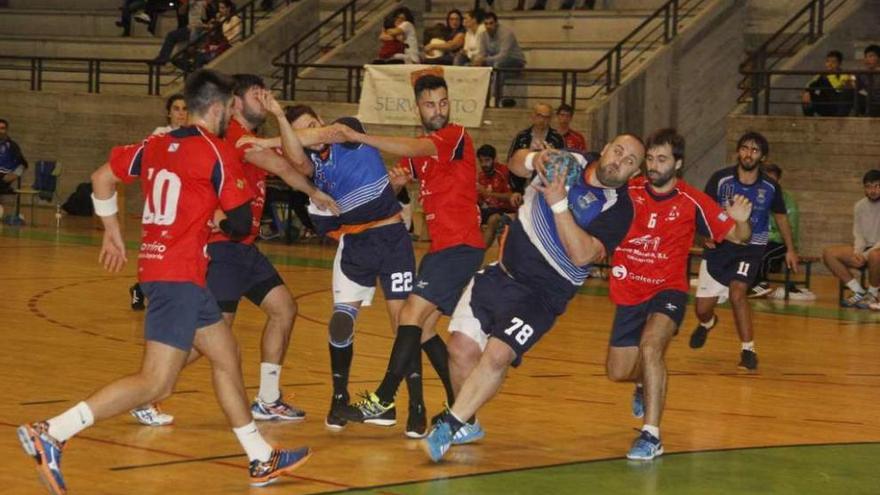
point(152, 416)
point(142, 17)
point(874, 306)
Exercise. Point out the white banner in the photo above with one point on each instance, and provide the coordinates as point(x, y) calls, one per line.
point(387, 94)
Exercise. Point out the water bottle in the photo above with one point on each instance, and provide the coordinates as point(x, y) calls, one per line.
point(57, 216)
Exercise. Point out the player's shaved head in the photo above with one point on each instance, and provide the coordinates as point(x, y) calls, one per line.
point(204, 88)
point(620, 160)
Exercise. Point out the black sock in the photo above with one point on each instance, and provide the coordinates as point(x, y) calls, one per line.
point(406, 344)
point(454, 423)
point(414, 382)
point(340, 364)
point(435, 348)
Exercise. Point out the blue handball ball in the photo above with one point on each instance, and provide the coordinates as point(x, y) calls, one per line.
point(563, 162)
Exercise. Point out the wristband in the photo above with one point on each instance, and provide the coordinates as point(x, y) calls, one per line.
point(530, 161)
point(105, 207)
point(560, 206)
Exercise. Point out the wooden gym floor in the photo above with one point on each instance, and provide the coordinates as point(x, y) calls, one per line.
point(805, 423)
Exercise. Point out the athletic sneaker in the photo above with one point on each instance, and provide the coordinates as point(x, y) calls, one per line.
point(281, 462)
point(280, 410)
point(37, 443)
point(416, 422)
point(137, 297)
point(867, 301)
point(748, 360)
point(469, 433)
point(638, 402)
point(438, 441)
point(760, 290)
point(142, 17)
point(701, 333)
point(370, 409)
point(334, 421)
point(645, 447)
point(875, 306)
point(853, 300)
point(152, 416)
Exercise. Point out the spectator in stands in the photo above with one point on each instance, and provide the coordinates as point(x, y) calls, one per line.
point(865, 251)
point(12, 161)
point(435, 34)
point(175, 108)
point(150, 14)
point(868, 85)
point(198, 14)
point(829, 95)
point(392, 47)
point(216, 41)
point(474, 37)
point(574, 140)
point(537, 137)
point(450, 45)
point(404, 25)
point(498, 202)
point(501, 49)
point(774, 253)
point(565, 5)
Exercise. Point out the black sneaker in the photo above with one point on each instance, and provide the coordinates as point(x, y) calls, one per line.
point(417, 422)
point(370, 409)
point(760, 290)
point(748, 360)
point(334, 421)
point(137, 297)
point(701, 333)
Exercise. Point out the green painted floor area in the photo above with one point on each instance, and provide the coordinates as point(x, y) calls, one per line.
point(826, 469)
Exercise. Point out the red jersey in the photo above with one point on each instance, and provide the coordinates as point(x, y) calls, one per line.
point(448, 191)
point(575, 141)
point(498, 182)
point(653, 255)
point(256, 179)
point(185, 176)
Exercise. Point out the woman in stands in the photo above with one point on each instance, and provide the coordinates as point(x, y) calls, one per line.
point(444, 51)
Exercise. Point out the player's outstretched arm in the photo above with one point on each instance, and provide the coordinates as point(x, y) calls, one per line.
point(112, 255)
point(290, 143)
point(400, 146)
point(740, 210)
point(581, 247)
point(269, 161)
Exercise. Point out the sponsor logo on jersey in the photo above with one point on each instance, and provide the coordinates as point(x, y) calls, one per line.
point(173, 147)
point(585, 200)
point(619, 272)
point(647, 242)
point(673, 214)
point(722, 216)
point(671, 307)
point(239, 183)
point(762, 196)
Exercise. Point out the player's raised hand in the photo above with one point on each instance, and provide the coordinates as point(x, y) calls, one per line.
point(541, 160)
point(324, 202)
point(267, 99)
point(112, 255)
point(553, 191)
point(740, 209)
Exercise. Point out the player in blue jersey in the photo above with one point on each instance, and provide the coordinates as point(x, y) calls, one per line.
point(559, 231)
point(373, 243)
point(728, 269)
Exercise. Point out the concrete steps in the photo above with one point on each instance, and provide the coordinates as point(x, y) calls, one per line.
point(88, 23)
point(80, 46)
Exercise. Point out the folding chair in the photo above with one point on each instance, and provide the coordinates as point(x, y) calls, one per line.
point(47, 175)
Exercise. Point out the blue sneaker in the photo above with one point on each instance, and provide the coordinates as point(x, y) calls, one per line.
point(37, 443)
point(645, 448)
point(278, 410)
point(638, 403)
point(438, 441)
point(281, 462)
point(469, 433)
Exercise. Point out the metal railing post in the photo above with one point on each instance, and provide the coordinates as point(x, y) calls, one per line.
point(609, 77)
point(39, 74)
point(285, 83)
point(574, 85)
point(33, 74)
point(820, 27)
point(666, 19)
point(353, 15)
point(812, 34)
point(766, 93)
point(674, 18)
point(617, 69)
point(755, 91)
point(91, 76)
point(97, 76)
point(564, 87)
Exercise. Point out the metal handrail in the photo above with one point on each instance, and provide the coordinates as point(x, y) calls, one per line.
point(94, 68)
point(809, 26)
point(864, 99)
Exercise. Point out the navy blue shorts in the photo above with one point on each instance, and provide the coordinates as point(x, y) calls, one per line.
point(730, 262)
point(485, 213)
point(176, 311)
point(496, 305)
point(237, 270)
point(629, 321)
point(385, 253)
point(443, 275)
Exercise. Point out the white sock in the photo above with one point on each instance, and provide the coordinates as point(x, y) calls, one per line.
point(653, 430)
point(71, 422)
point(749, 346)
point(855, 286)
point(253, 442)
point(873, 291)
point(270, 379)
point(710, 323)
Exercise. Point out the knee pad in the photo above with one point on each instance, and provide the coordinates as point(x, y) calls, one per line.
point(342, 325)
